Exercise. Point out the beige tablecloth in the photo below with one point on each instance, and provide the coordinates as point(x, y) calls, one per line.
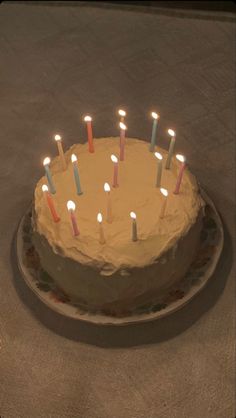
point(57, 63)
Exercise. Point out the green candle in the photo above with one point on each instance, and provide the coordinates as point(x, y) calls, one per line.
point(76, 174)
point(154, 132)
point(46, 163)
point(159, 168)
point(134, 227)
point(171, 147)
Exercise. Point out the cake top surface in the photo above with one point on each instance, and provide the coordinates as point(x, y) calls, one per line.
point(137, 192)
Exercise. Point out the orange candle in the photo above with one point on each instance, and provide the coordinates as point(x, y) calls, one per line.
point(88, 120)
point(50, 203)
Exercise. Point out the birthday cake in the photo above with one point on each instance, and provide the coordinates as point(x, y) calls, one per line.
point(109, 266)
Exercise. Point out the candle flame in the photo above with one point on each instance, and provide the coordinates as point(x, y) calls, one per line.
point(114, 159)
point(87, 118)
point(171, 132)
point(155, 115)
point(107, 187)
point(122, 112)
point(99, 217)
point(46, 161)
point(180, 158)
point(44, 188)
point(70, 205)
point(123, 126)
point(57, 137)
point(73, 158)
point(133, 215)
point(164, 191)
point(158, 155)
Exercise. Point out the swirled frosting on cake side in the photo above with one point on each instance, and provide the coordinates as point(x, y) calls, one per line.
point(136, 192)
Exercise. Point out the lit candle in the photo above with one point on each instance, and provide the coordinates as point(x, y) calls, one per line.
point(114, 159)
point(46, 163)
point(182, 159)
point(159, 168)
point(109, 208)
point(50, 203)
point(76, 174)
point(171, 147)
point(154, 131)
point(122, 141)
point(101, 232)
point(134, 226)
point(60, 151)
point(163, 208)
point(88, 120)
point(71, 209)
point(122, 114)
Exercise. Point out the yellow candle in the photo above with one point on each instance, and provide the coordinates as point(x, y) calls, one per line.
point(109, 207)
point(101, 232)
point(60, 151)
point(163, 208)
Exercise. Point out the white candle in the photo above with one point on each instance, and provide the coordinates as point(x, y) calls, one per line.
point(159, 168)
point(171, 147)
point(101, 232)
point(60, 151)
point(163, 208)
point(107, 189)
point(114, 159)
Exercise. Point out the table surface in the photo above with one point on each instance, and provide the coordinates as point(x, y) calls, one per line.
point(58, 63)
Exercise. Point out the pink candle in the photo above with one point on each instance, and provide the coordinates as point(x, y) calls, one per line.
point(180, 158)
point(50, 203)
point(71, 209)
point(114, 159)
point(88, 120)
point(122, 141)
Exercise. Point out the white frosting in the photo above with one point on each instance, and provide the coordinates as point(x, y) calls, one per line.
point(136, 192)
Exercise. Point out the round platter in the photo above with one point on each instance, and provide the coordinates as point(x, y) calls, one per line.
point(200, 271)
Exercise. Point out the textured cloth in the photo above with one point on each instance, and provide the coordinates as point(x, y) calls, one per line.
point(56, 64)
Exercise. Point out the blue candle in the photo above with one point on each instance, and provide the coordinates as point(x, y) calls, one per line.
point(171, 148)
point(76, 174)
point(154, 132)
point(46, 163)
